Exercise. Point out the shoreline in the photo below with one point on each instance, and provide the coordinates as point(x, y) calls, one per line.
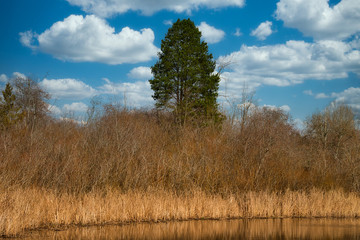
point(150, 222)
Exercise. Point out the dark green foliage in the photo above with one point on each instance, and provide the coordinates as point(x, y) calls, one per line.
point(9, 112)
point(184, 80)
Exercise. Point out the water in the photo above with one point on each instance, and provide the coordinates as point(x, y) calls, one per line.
point(211, 229)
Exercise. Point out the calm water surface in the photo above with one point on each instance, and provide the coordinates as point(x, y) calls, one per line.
point(231, 229)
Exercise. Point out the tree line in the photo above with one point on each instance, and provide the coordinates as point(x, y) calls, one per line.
point(185, 142)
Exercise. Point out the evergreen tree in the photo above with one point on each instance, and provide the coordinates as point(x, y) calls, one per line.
point(184, 81)
point(9, 113)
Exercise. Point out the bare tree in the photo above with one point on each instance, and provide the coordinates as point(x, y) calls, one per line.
point(240, 107)
point(332, 128)
point(31, 99)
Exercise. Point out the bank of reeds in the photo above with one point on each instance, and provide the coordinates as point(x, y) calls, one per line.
point(139, 166)
point(27, 209)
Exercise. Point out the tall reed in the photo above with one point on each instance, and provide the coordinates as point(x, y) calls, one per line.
point(26, 209)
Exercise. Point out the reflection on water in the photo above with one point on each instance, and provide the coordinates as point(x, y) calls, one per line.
point(226, 229)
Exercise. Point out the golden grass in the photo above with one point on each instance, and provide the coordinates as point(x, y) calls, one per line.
point(25, 209)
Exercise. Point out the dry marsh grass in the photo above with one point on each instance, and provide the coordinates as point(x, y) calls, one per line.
point(26, 209)
point(139, 166)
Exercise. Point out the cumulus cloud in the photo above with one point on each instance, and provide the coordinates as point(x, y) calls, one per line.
point(299, 124)
point(284, 108)
point(3, 78)
point(91, 39)
point(67, 88)
point(19, 75)
point(238, 32)
point(78, 107)
point(107, 8)
point(317, 19)
point(321, 96)
point(27, 38)
point(168, 22)
point(308, 92)
point(263, 30)
point(351, 97)
point(135, 93)
point(72, 110)
point(54, 109)
point(211, 34)
point(140, 73)
point(288, 64)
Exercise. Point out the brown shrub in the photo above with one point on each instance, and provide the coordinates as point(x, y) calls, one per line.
point(131, 150)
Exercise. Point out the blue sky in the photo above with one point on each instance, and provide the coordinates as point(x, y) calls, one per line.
point(297, 55)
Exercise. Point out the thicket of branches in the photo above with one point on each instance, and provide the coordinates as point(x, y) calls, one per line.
point(255, 149)
point(23, 101)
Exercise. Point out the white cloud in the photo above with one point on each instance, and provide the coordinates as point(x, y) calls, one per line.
point(288, 64)
point(67, 88)
point(3, 78)
point(321, 96)
point(106, 80)
point(140, 73)
point(351, 97)
point(299, 124)
point(107, 8)
point(308, 92)
point(211, 34)
point(70, 112)
point(238, 32)
point(19, 75)
point(317, 19)
point(91, 39)
point(75, 107)
point(284, 108)
point(54, 110)
point(136, 94)
point(168, 22)
point(262, 31)
point(27, 39)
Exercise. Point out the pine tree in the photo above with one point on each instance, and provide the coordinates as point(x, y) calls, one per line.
point(9, 113)
point(184, 81)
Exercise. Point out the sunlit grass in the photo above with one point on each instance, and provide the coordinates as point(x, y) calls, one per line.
point(25, 209)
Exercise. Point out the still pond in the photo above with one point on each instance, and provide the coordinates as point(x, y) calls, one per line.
point(211, 229)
